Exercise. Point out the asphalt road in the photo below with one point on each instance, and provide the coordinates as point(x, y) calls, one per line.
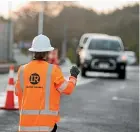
point(98, 104)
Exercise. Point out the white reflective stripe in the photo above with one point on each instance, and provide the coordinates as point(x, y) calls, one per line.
point(73, 81)
point(48, 87)
point(30, 112)
point(23, 128)
point(35, 128)
point(63, 86)
point(10, 88)
point(44, 128)
point(36, 112)
point(49, 112)
point(21, 77)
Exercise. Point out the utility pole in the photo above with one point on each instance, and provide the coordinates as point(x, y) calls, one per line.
point(10, 33)
point(41, 19)
point(64, 44)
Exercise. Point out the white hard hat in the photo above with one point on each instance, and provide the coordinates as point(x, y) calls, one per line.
point(41, 43)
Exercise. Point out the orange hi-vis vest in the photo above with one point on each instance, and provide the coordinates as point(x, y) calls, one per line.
point(38, 88)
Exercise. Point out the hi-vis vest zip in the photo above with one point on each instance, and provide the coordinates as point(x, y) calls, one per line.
point(44, 112)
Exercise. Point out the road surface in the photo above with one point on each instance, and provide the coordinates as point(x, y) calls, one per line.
point(98, 104)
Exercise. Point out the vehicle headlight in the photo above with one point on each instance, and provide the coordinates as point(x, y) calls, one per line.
point(122, 58)
point(85, 55)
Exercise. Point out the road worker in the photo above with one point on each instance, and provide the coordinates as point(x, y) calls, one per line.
point(39, 86)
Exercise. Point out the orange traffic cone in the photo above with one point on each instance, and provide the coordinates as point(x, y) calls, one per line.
point(9, 103)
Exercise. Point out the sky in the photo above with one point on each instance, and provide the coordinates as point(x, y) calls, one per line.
point(97, 5)
point(106, 5)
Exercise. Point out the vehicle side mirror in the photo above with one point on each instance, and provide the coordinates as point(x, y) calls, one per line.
point(79, 49)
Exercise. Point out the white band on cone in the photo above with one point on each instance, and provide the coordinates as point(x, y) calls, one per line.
point(10, 88)
point(11, 74)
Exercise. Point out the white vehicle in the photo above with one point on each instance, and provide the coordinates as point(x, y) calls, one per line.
point(83, 40)
point(131, 57)
point(102, 53)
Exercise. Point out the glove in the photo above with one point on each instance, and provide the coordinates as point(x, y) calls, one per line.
point(74, 71)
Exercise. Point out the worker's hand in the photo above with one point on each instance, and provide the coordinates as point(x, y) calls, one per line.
point(74, 71)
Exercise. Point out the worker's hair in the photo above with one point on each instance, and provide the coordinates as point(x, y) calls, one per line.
point(40, 55)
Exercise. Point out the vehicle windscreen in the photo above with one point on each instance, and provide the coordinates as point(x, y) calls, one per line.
point(100, 44)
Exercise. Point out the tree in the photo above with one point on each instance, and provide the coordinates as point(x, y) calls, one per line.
point(78, 20)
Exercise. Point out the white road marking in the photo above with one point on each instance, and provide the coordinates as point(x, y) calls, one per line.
point(123, 86)
point(123, 99)
point(68, 119)
point(114, 98)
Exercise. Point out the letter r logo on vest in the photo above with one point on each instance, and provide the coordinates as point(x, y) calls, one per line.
point(34, 78)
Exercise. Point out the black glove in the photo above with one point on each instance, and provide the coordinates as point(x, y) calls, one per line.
point(74, 71)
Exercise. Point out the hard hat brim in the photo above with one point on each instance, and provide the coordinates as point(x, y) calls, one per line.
point(41, 50)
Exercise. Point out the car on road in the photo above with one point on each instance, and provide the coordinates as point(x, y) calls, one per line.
point(102, 53)
point(82, 41)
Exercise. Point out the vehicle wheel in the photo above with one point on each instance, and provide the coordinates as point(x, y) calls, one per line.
point(122, 74)
point(83, 72)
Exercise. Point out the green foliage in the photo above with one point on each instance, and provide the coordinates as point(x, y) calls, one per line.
point(71, 55)
point(25, 51)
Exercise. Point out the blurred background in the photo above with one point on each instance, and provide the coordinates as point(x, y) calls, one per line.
point(101, 102)
point(64, 23)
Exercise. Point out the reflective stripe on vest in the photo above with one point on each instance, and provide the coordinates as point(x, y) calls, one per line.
point(37, 112)
point(21, 77)
point(47, 111)
point(35, 128)
point(63, 86)
point(73, 81)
